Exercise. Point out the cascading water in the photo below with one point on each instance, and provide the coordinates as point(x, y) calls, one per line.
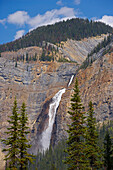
point(70, 80)
point(46, 135)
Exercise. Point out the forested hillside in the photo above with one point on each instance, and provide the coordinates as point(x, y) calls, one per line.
point(71, 29)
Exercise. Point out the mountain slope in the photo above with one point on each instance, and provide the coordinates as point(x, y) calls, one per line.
point(71, 29)
point(96, 85)
point(70, 50)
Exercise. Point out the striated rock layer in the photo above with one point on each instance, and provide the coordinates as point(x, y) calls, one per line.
point(96, 85)
point(35, 84)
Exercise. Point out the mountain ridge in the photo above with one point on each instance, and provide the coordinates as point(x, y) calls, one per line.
point(72, 29)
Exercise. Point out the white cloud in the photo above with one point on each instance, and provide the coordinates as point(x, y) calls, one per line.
point(51, 17)
point(59, 2)
point(19, 18)
point(107, 20)
point(77, 2)
point(2, 21)
point(19, 34)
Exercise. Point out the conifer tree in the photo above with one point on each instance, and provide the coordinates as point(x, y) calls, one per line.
point(23, 141)
point(92, 150)
point(76, 157)
point(11, 142)
point(108, 152)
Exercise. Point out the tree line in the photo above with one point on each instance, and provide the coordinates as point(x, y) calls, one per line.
point(75, 29)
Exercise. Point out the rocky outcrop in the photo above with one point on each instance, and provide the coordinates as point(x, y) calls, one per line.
point(78, 50)
point(96, 85)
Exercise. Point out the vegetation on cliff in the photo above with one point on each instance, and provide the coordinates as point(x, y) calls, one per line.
point(76, 29)
point(103, 45)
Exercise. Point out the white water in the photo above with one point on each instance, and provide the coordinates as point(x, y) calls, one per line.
point(70, 80)
point(46, 135)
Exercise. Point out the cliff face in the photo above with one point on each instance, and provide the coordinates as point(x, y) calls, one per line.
point(78, 50)
point(96, 85)
point(36, 83)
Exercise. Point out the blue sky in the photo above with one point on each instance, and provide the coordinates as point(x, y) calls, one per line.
point(17, 17)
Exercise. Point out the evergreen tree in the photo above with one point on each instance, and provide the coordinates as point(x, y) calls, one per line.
point(92, 150)
point(27, 57)
point(76, 156)
point(12, 141)
point(16, 64)
point(23, 146)
point(108, 152)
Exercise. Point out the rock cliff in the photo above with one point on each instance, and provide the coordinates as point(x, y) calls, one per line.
point(96, 85)
point(36, 83)
point(33, 83)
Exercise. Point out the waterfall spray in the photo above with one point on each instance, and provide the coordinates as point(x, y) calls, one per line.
point(46, 135)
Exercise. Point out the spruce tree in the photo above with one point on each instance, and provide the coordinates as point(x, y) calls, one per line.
point(11, 142)
point(23, 141)
point(108, 152)
point(76, 156)
point(92, 149)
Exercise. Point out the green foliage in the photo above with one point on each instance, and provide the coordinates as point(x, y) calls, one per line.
point(93, 151)
point(27, 57)
point(12, 142)
point(101, 45)
point(90, 59)
point(45, 57)
point(71, 29)
point(76, 158)
point(108, 152)
point(23, 146)
point(35, 57)
point(65, 60)
point(16, 64)
point(51, 159)
point(16, 143)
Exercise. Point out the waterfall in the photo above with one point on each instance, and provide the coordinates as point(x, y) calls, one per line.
point(46, 135)
point(70, 80)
